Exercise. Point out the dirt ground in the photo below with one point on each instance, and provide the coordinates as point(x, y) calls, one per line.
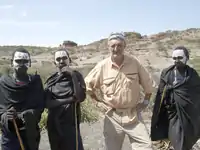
point(92, 135)
point(93, 139)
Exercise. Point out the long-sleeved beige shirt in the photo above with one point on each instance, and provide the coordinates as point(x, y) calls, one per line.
point(120, 86)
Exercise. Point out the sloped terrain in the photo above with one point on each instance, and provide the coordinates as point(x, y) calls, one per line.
point(153, 52)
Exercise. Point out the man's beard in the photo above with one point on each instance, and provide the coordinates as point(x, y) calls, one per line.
point(180, 65)
point(21, 70)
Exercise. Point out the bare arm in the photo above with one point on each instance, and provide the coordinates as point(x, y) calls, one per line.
point(146, 81)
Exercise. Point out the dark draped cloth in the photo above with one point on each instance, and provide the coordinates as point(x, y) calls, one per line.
point(64, 92)
point(27, 99)
point(177, 117)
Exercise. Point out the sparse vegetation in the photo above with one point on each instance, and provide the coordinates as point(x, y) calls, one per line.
point(89, 113)
point(133, 35)
point(149, 47)
point(34, 50)
point(69, 43)
point(196, 63)
point(162, 49)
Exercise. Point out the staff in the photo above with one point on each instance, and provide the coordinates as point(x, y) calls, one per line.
point(18, 135)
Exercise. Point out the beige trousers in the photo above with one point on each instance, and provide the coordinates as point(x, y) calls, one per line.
point(114, 134)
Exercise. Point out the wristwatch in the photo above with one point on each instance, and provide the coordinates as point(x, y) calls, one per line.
point(146, 102)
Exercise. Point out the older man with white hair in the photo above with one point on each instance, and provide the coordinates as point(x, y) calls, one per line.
point(118, 78)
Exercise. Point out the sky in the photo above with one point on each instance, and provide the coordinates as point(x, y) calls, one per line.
point(49, 22)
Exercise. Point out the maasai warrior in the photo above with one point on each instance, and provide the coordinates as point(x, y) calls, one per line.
point(176, 114)
point(118, 78)
point(22, 100)
point(65, 90)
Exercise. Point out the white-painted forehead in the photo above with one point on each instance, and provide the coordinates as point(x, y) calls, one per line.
point(178, 52)
point(21, 55)
point(60, 54)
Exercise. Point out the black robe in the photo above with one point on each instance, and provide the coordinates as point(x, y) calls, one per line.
point(27, 98)
point(177, 117)
point(62, 92)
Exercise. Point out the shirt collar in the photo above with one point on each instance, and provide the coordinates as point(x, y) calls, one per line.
point(112, 64)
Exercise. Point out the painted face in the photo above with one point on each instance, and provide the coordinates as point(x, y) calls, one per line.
point(21, 62)
point(21, 59)
point(179, 57)
point(61, 59)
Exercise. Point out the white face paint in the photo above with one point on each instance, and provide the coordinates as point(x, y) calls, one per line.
point(20, 56)
point(60, 54)
point(179, 53)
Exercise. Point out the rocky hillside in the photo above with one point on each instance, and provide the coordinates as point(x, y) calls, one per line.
point(153, 51)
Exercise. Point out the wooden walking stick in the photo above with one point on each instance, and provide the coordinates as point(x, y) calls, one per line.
point(18, 135)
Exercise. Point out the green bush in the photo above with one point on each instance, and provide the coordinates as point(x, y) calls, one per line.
point(89, 113)
point(43, 121)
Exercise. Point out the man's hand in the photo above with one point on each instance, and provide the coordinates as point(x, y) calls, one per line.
point(11, 113)
point(28, 111)
point(93, 96)
point(141, 106)
point(66, 69)
point(25, 112)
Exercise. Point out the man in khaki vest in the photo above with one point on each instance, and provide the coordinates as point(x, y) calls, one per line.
point(118, 78)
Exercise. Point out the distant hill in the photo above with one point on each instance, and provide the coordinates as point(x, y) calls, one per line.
point(153, 51)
